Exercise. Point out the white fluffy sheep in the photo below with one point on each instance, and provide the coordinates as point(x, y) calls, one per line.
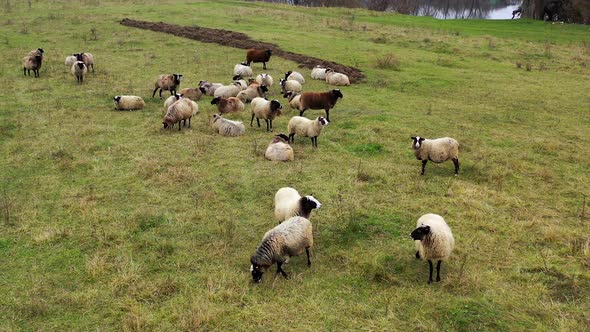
point(294, 100)
point(287, 239)
point(243, 70)
point(79, 70)
point(183, 109)
point(128, 103)
point(279, 149)
point(288, 203)
point(227, 127)
point(319, 73)
point(290, 85)
point(265, 109)
point(227, 91)
point(434, 241)
point(295, 76)
point(305, 127)
point(70, 60)
point(170, 100)
point(334, 78)
point(436, 150)
point(253, 91)
point(167, 82)
point(265, 79)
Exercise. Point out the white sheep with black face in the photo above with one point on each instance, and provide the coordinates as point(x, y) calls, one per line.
point(167, 82)
point(265, 79)
point(295, 76)
point(128, 103)
point(288, 203)
point(436, 150)
point(305, 127)
point(434, 241)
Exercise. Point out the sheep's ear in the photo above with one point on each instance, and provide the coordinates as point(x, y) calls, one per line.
point(422, 138)
point(413, 138)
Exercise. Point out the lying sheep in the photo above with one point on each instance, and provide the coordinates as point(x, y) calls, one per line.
point(254, 55)
point(243, 69)
point(242, 82)
point(193, 94)
point(265, 109)
point(290, 85)
point(227, 91)
point(167, 82)
point(79, 70)
point(306, 128)
point(228, 105)
point(294, 99)
point(295, 76)
point(264, 79)
point(182, 110)
point(251, 92)
point(128, 103)
point(287, 239)
point(319, 100)
point(334, 78)
point(288, 203)
point(170, 100)
point(436, 150)
point(279, 150)
point(209, 88)
point(434, 241)
point(227, 127)
point(87, 58)
point(32, 62)
point(70, 60)
point(319, 73)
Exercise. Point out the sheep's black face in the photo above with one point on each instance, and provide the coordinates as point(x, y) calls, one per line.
point(264, 88)
point(203, 91)
point(257, 272)
point(417, 141)
point(284, 137)
point(117, 98)
point(323, 121)
point(275, 106)
point(310, 203)
point(177, 78)
point(236, 77)
point(269, 52)
point(288, 94)
point(337, 93)
point(40, 50)
point(420, 232)
point(78, 56)
point(215, 101)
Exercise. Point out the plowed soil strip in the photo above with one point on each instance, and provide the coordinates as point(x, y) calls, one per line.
point(241, 40)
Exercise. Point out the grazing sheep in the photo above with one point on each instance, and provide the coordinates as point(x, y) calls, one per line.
point(193, 94)
point(319, 100)
point(171, 100)
point(227, 91)
point(87, 58)
point(128, 103)
point(287, 239)
point(32, 62)
point(434, 241)
point(209, 88)
point(182, 110)
point(252, 92)
point(279, 150)
point(79, 70)
point(290, 85)
point(436, 150)
point(243, 69)
point(228, 105)
point(254, 55)
point(70, 60)
point(167, 82)
point(294, 99)
point(334, 78)
point(227, 127)
point(288, 203)
point(265, 109)
point(264, 79)
point(306, 128)
point(319, 73)
point(295, 76)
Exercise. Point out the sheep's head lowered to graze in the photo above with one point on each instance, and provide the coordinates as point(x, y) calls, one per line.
point(257, 270)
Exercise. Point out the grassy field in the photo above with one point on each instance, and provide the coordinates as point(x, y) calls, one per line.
point(108, 222)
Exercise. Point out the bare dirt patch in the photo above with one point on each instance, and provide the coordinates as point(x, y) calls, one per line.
point(241, 40)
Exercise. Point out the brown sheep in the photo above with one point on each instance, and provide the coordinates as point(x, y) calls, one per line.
point(254, 55)
point(193, 94)
point(167, 82)
point(32, 63)
point(319, 100)
point(228, 105)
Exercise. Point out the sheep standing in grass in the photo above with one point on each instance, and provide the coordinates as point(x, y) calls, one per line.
point(294, 99)
point(254, 55)
point(279, 149)
point(334, 78)
point(287, 239)
point(252, 92)
point(32, 62)
point(228, 105)
point(209, 88)
point(169, 82)
point(296, 76)
point(227, 91)
point(128, 103)
point(319, 100)
point(87, 58)
point(319, 73)
point(434, 241)
point(70, 60)
point(290, 85)
point(170, 100)
point(243, 69)
point(182, 110)
point(264, 79)
point(227, 127)
point(193, 94)
point(79, 70)
point(305, 127)
point(436, 150)
point(265, 109)
point(288, 203)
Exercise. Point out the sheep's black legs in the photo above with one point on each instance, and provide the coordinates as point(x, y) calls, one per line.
point(258, 121)
point(430, 276)
point(270, 121)
point(252, 120)
point(423, 166)
point(328, 115)
point(160, 93)
point(264, 65)
point(280, 270)
point(189, 122)
point(417, 255)
point(267, 128)
point(25, 71)
point(179, 125)
point(301, 113)
point(308, 257)
point(154, 93)
point(456, 162)
point(438, 271)
point(292, 138)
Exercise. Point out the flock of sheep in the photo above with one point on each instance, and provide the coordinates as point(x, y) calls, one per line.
point(433, 237)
